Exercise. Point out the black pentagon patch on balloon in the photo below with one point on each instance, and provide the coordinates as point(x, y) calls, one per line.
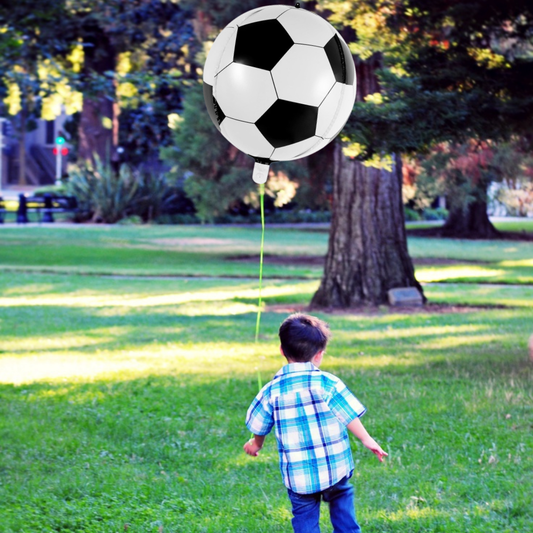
point(287, 123)
point(218, 111)
point(340, 59)
point(213, 109)
point(261, 44)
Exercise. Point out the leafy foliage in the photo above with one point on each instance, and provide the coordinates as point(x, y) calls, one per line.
point(107, 196)
point(464, 172)
point(215, 14)
point(448, 71)
point(134, 55)
point(137, 55)
point(154, 196)
point(218, 175)
point(34, 66)
point(103, 195)
point(461, 172)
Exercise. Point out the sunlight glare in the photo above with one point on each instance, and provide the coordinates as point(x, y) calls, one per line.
point(138, 300)
point(427, 275)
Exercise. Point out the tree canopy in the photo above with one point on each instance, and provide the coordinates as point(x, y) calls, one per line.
point(131, 55)
point(449, 70)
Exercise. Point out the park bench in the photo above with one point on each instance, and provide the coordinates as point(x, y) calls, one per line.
point(45, 206)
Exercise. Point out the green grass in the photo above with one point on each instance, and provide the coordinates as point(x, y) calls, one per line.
point(154, 250)
point(206, 250)
point(516, 225)
point(122, 399)
point(523, 225)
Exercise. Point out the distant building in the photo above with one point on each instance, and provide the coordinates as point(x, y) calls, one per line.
point(40, 160)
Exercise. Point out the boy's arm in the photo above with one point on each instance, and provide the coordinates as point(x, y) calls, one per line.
point(357, 428)
point(253, 446)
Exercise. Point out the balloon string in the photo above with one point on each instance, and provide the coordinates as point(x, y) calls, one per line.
point(262, 202)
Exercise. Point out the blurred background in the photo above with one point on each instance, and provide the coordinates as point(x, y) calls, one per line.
point(444, 86)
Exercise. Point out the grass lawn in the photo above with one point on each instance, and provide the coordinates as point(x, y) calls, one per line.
point(516, 225)
point(206, 250)
point(122, 398)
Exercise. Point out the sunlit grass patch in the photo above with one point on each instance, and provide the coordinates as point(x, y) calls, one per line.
point(515, 225)
point(459, 272)
point(511, 272)
point(469, 250)
point(471, 294)
point(173, 293)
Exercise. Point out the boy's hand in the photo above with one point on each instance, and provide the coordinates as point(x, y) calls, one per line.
point(357, 428)
point(251, 448)
point(374, 447)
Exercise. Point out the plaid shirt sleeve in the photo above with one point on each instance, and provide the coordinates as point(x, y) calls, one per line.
point(343, 404)
point(259, 419)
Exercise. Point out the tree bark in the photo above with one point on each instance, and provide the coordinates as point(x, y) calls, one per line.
point(470, 222)
point(367, 251)
point(96, 134)
point(22, 180)
point(95, 137)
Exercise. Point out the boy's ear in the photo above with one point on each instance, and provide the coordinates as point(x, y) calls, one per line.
point(281, 351)
point(317, 359)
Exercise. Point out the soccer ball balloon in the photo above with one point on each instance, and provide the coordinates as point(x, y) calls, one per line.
point(279, 84)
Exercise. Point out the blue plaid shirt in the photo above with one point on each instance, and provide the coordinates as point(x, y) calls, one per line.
point(310, 410)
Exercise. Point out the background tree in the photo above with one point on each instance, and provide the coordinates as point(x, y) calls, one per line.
point(367, 250)
point(455, 71)
point(108, 55)
point(463, 171)
point(136, 56)
point(428, 72)
point(35, 62)
point(218, 175)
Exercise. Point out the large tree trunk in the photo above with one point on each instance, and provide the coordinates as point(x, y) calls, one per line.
point(367, 252)
point(470, 222)
point(22, 180)
point(96, 137)
point(99, 126)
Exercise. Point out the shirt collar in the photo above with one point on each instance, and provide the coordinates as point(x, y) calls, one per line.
point(297, 367)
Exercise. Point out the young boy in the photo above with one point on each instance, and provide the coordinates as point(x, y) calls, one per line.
point(311, 411)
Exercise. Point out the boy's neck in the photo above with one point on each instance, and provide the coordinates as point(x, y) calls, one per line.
point(316, 360)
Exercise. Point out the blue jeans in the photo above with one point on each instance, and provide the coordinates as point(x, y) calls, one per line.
point(306, 509)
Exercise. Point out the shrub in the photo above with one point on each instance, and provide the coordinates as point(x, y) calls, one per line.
point(54, 190)
point(132, 220)
point(411, 215)
point(154, 196)
point(438, 213)
point(103, 195)
point(178, 218)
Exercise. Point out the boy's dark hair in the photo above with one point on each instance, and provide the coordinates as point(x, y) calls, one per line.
point(303, 336)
